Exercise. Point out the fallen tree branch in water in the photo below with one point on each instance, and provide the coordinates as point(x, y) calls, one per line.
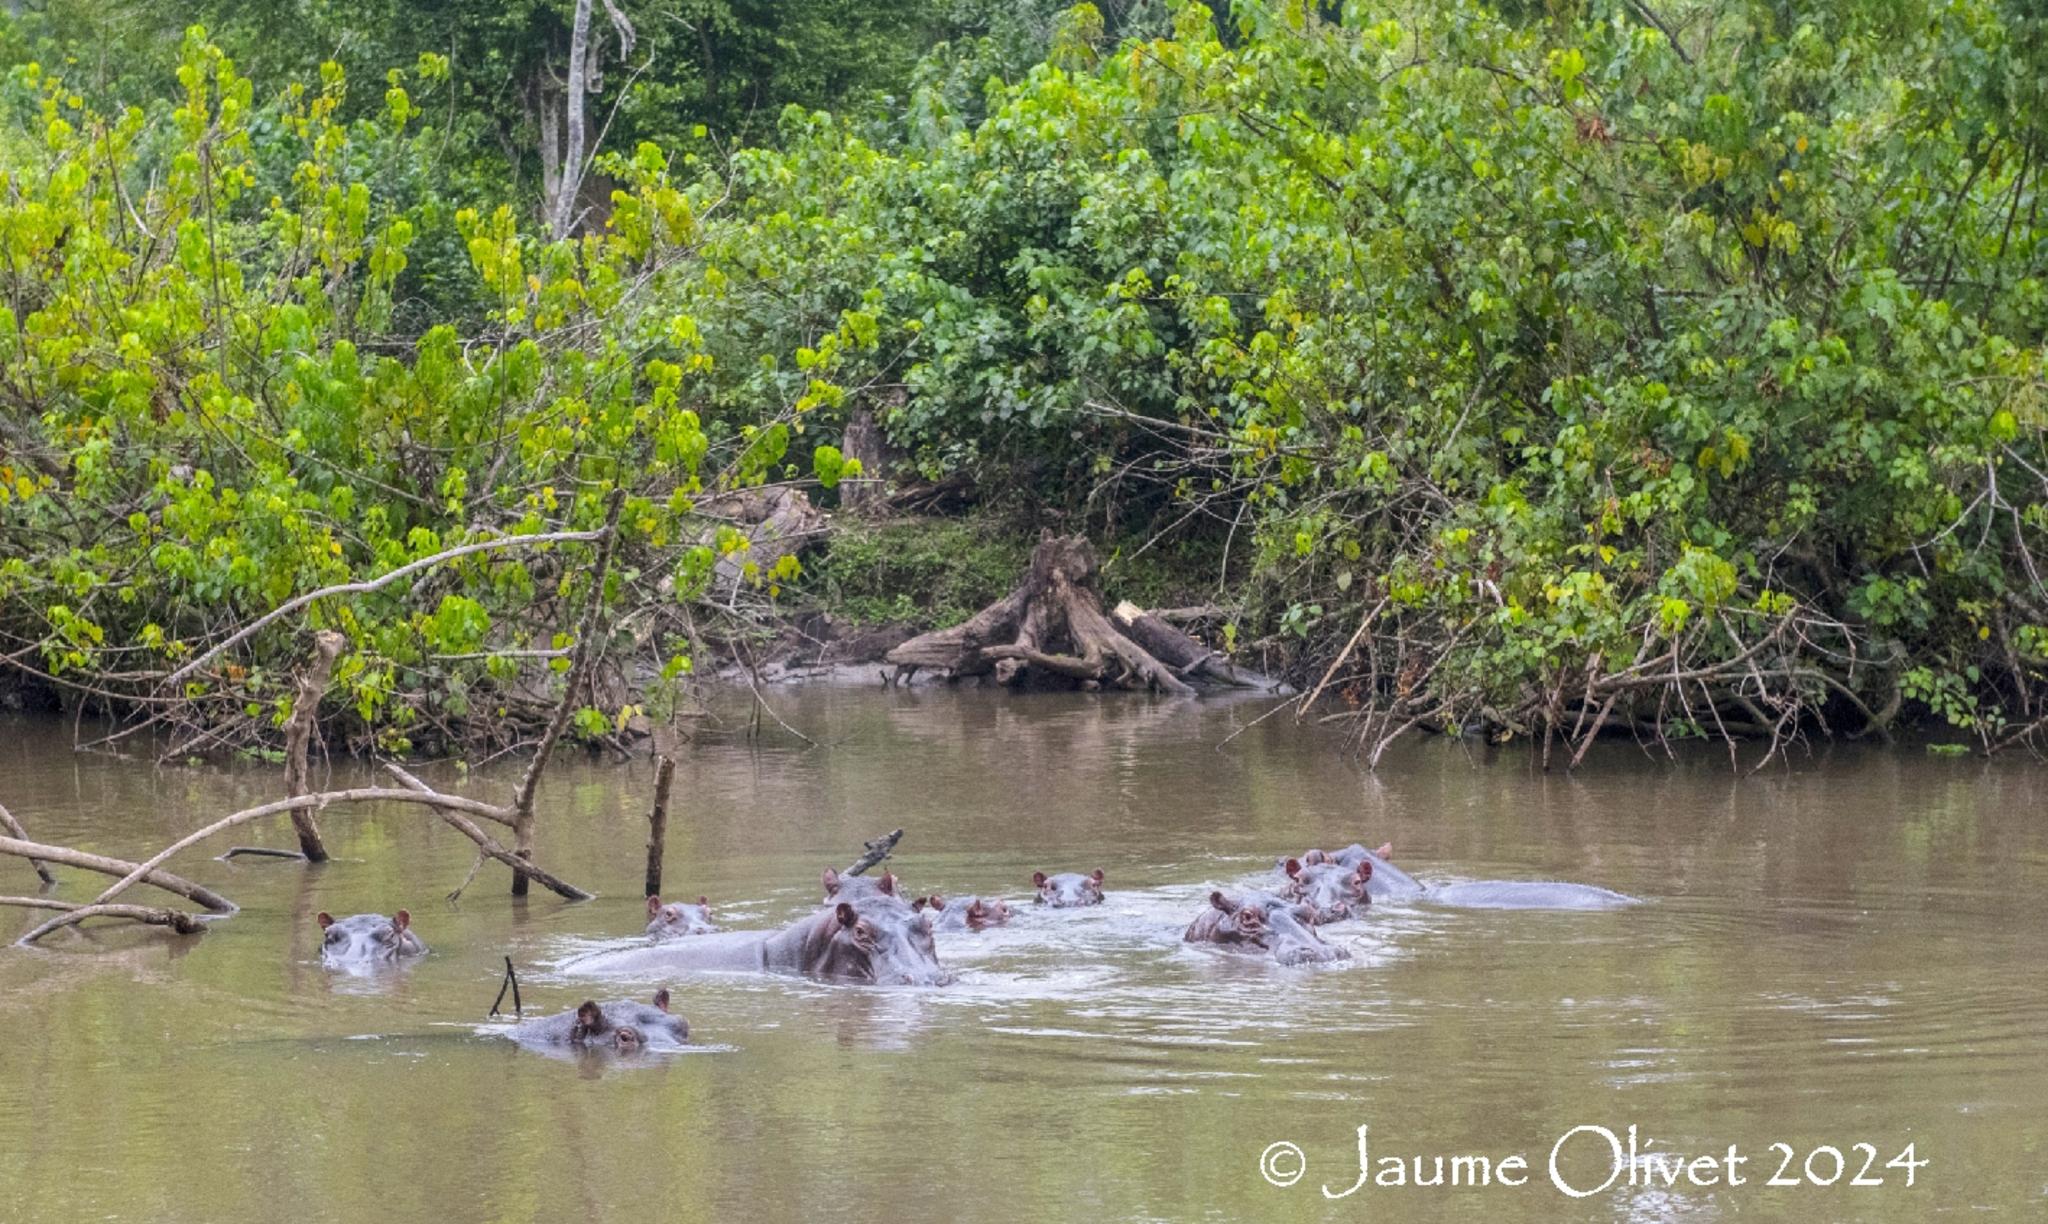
point(178, 920)
point(363, 794)
point(199, 895)
point(9, 823)
point(878, 849)
point(522, 868)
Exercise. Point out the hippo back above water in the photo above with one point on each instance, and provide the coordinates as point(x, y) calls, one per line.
point(869, 936)
point(1527, 894)
point(362, 941)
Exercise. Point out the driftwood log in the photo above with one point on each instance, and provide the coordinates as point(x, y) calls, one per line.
point(1052, 629)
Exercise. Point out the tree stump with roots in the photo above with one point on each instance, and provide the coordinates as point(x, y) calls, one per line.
point(1052, 629)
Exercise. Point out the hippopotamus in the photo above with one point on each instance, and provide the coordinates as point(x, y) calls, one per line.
point(1386, 881)
point(365, 940)
point(1527, 894)
point(1332, 892)
point(622, 1025)
point(964, 913)
point(677, 919)
point(866, 936)
point(1263, 924)
point(1389, 881)
point(846, 887)
point(1068, 889)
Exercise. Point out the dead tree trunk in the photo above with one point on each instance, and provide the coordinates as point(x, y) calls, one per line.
point(657, 824)
point(1052, 628)
point(298, 736)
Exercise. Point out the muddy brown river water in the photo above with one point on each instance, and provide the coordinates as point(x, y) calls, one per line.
point(1846, 951)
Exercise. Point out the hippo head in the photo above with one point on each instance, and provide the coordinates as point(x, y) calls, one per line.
point(1291, 933)
point(965, 914)
point(1069, 888)
point(1231, 922)
point(878, 939)
point(677, 919)
point(640, 1026)
point(847, 887)
point(368, 938)
point(1330, 891)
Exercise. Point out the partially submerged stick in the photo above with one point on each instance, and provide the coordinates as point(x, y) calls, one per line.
point(511, 979)
point(878, 850)
point(657, 824)
point(235, 852)
point(9, 823)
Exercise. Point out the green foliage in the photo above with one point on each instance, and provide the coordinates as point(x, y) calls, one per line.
point(931, 572)
point(1575, 351)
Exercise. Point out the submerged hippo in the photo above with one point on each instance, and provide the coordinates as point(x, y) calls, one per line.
point(1068, 889)
point(964, 913)
point(867, 936)
point(1264, 925)
point(622, 1025)
point(1332, 892)
point(677, 919)
point(1390, 882)
point(367, 940)
point(1527, 894)
point(1386, 881)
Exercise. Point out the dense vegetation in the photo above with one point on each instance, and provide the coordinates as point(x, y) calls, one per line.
point(1537, 366)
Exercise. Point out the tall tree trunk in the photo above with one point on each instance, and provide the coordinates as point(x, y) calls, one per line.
point(569, 175)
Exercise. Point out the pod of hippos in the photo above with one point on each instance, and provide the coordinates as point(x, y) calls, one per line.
point(867, 930)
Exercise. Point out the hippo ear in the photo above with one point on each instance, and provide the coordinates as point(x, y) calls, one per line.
point(1038, 878)
point(401, 920)
point(661, 998)
point(976, 909)
point(918, 904)
point(1293, 868)
point(846, 915)
point(653, 906)
point(326, 920)
point(887, 883)
point(1386, 851)
point(1097, 877)
point(1315, 858)
point(831, 882)
point(589, 1013)
point(1222, 902)
point(703, 902)
point(1364, 870)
